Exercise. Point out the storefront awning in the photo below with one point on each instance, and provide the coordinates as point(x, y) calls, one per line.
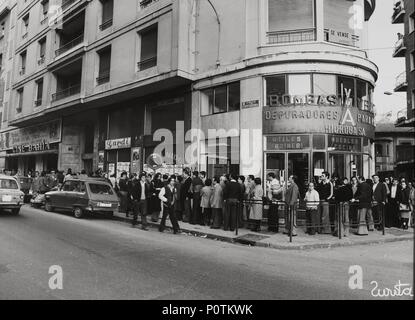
point(34, 153)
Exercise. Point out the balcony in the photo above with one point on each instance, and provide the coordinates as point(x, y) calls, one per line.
point(400, 48)
point(22, 71)
point(147, 63)
point(105, 25)
point(70, 91)
point(44, 20)
point(401, 84)
point(301, 35)
point(145, 3)
point(24, 36)
point(37, 103)
point(69, 45)
point(405, 154)
point(398, 12)
point(103, 77)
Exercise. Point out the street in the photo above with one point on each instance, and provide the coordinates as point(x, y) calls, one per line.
point(107, 259)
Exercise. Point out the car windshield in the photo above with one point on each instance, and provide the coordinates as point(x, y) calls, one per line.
point(8, 184)
point(100, 188)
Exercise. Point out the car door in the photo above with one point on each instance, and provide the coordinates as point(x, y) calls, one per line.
point(57, 198)
point(77, 196)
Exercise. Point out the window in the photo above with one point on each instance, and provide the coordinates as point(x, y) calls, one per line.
point(324, 84)
point(19, 100)
point(221, 99)
point(8, 184)
point(74, 186)
point(39, 92)
point(45, 7)
point(290, 14)
point(412, 60)
point(1, 61)
point(104, 65)
point(107, 13)
point(346, 90)
point(100, 189)
point(362, 95)
point(42, 50)
point(25, 26)
point(275, 87)
point(23, 63)
point(148, 52)
point(411, 23)
point(299, 84)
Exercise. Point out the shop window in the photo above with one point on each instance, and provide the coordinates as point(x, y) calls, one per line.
point(299, 84)
point(319, 142)
point(148, 52)
point(222, 155)
point(346, 90)
point(275, 86)
point(324, 84)
point(221, 99)
point(291, 20)
point(319, 163)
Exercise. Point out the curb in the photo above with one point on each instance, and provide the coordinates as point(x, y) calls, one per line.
point(289, 246)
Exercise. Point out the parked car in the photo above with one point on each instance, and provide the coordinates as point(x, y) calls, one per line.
point(11, 197)
point(85, 195)
point(39, 199)
point(25, 187)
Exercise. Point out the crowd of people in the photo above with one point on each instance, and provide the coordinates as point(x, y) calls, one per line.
point(234, 201)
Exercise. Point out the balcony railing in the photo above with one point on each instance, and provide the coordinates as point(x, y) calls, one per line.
point(400, 48)
point(38, 103)
point(22, 71)
point(71, 44)
point(24, 36)
point(105, 25)
point(405, 153)
point(103, 77)
point(44, 20)
point(300, 35)
point(147, 63)
point(76, 89)
point(146, 3)
point(398, 12)
point(401, 83)
point(66, 4)
point(41, 60)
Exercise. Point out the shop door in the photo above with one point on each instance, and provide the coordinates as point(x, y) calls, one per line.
point(285, 164)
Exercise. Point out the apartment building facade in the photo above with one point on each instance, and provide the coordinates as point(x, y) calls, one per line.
point(286, 84)
point(404, 13)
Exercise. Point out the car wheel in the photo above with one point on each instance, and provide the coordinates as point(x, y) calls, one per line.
point(48, 207)
point(78, 213)
point(15, 211)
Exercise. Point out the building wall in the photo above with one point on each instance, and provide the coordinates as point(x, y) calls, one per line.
point(410, 70)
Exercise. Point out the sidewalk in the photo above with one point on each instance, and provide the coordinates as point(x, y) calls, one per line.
point(281, 241)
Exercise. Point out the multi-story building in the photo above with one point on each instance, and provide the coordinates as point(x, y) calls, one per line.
point(286, 84)
point(395, 150)
point(404, 12)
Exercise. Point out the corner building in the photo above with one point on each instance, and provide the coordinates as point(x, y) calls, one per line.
point(286, 84)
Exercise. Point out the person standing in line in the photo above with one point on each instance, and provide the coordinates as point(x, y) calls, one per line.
point(291, 198)
point(364, 197)
point(255, 213)
point(241, 216)
point(186, 195)
point(168, 196)
point(404, 209)
point(202, 176)
point(392, 217)
point(380, 195)
point(232, 196)
point(343, 194)
point(157, 185)
point(206, 194)
point(250, 186)
point(216, 203)
point(197, 185)
point(179, 204)
point(274, 191)
point(353, 207)
point(326, 192)
point(68, 175)
point(312, 200)
point(141, 193)
point(123, 191)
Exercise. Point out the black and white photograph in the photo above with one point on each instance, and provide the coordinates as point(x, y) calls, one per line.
point(207, 155)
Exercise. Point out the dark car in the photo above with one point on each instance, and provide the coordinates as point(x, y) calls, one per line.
point(83, 196)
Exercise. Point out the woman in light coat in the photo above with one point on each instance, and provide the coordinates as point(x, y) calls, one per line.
point(206, 195)
point(216, 203)
point(256, 207)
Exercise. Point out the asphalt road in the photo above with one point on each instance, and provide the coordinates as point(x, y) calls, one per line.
point(106, 259)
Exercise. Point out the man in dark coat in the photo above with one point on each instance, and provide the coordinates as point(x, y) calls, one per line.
point(342, 195)
point(197, 185)
point(380, 194)
point(291, 198)
point(141, 193)
point(364, 197)
point(233, 196)
point(185, 195)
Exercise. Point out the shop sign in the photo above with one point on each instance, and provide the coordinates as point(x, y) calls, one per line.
point(35, 136)
point(41, 146)
point(250, 104)
point(101, 159)
point(341, 143)
point(319, 119)
point(343, 37)
point(288, 142)
point(135, 159)
point(123, 143)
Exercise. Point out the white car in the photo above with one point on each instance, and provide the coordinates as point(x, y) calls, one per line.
point(11, 197)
